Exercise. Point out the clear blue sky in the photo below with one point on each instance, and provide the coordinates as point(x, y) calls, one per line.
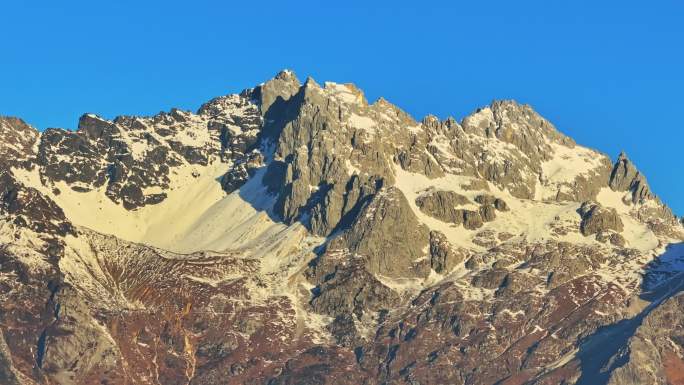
point(608, 73)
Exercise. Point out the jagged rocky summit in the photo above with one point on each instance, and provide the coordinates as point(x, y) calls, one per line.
point(296, 234)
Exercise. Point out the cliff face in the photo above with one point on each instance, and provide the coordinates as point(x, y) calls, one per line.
point(295, 233)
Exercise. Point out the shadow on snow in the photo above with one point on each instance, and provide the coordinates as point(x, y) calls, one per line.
point(608, 348)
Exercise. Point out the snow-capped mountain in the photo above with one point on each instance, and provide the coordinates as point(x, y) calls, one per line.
point(296, 234)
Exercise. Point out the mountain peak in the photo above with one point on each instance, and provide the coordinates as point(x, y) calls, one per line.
point(17, 139)
point(293, 231)
point(626, 177)
point(280, 88)
point(286, 75)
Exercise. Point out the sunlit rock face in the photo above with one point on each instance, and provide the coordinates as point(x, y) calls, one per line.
point(295, 233)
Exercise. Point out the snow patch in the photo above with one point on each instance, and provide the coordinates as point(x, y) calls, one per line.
point(565, 166)
point(362, 122)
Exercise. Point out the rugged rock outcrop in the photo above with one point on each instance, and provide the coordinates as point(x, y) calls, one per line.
point(443, 256)
point(596, 219)
point(653, 353)
point(134, 157)
point(443, 205)
point(29, 208)
point(18, 140)
point(7, 371)
point(388, 236)
point(625, 177)
point(490, 200)
point(471, 219)
point(487, 213)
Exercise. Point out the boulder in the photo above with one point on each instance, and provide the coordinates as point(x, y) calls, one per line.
point(442, 205)
point(471, 219)
point(487, 212)
point(596, 219)
point(498, 203)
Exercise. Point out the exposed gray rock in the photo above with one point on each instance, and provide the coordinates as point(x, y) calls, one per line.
point(653, 354)
point(352, 290)
point(442, 205)
point(75, 333)
point(564, 261)
point(375, 236)
point(596, 219)
point(501, 205)
point(519, 126)
point(471, 219)
point(277, 90)
point(7, 371)
point(241, 171)
point(586, 186)
point(443, 257)
point(130, 154)
point(310, 174)
point(18, 140)
point(487, 238)
point(524, 141)
point(336, 207)
point(486, 199)
point(487, 213)
point(625, 177)
point(417, 159)
point(30, 208)
point(490, 279)
point(615, 239)
point(225, 114)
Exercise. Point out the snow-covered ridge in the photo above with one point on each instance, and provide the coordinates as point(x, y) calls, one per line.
point(182, 192)
point(531, 220)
